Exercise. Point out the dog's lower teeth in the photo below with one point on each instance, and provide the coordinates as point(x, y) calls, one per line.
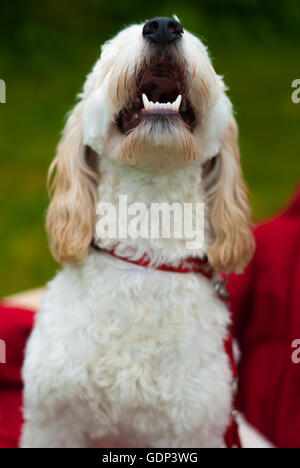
point(174, 106)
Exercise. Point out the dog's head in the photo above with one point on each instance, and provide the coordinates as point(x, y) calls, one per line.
point(153, 100)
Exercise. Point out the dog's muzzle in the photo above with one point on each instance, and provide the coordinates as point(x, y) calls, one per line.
point(161, 83)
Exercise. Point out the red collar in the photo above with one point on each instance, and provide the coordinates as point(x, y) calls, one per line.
point(188, 265)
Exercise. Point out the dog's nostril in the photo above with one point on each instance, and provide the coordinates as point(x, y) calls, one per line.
point(162, 31)
point(151, 27)
point(175, 27)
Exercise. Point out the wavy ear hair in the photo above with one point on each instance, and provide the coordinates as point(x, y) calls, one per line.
point(233, 243)
point(73, 187)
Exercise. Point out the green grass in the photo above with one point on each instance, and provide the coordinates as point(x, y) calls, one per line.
point(45, 67)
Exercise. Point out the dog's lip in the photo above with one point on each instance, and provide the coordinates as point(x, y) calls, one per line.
point(128, 119)
point(158, 112)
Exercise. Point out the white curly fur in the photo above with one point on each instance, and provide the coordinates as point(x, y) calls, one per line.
point(117, 349)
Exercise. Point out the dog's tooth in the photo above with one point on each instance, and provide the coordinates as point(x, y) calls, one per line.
point(177, 102)
point(161, 105)
point(145, 101)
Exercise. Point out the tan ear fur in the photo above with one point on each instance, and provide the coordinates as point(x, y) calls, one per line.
point(71, 214)
point(233, 242)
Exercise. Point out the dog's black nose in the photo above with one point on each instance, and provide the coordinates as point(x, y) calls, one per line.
point(162, 31)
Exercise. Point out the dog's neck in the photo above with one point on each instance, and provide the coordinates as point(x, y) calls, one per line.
point(181, 186)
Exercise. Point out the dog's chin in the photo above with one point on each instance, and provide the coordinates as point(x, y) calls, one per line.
point(160, 142)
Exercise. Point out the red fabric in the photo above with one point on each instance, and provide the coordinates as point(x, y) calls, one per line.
point(228, 345)
point(232, 438)
point(266, 311)
point(15, 327)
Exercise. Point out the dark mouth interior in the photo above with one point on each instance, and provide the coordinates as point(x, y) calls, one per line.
point(161, 82)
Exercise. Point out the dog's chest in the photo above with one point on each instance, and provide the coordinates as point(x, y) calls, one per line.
point(155, 348)
point(137, 352)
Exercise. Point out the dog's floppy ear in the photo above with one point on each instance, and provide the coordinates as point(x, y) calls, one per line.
point(71, 214)
point(230, 215)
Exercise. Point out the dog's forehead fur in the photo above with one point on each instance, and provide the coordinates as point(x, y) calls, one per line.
point(116, 52)
point(125, 49)
point(121, 56)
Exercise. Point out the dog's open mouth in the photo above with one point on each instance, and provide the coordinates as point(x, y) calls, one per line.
point(161, 93)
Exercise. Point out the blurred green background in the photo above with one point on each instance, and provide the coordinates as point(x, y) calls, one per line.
point(46, 50)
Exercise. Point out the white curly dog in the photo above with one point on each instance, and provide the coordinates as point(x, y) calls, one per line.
point(122, 348)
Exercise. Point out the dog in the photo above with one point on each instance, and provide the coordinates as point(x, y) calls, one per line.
point(126, 346)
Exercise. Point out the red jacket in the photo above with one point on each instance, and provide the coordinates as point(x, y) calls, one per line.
point(266, 308)
point(15, 327)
